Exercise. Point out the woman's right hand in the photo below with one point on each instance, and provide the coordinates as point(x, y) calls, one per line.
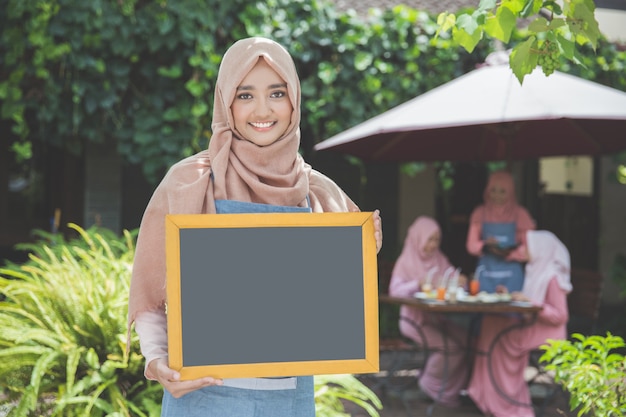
point(170, 379)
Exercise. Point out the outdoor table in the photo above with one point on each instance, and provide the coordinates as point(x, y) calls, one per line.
point(527, 311)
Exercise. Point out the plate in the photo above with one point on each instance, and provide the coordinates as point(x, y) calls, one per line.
point(425, 295)
point(522, 303)
point(484, 297)
point(468, 299)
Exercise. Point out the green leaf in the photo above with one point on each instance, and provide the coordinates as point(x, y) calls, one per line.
point(445, 22)
point(327, 72)
point(501, 25)
point(175, 71)
point(553, 6)
point(522, 61)
point(195, 87)
point(540, 24)
point(199, 109)
point(467, 23)
point(530, 8)
point(466, 40)
point(487, 4)
point(556, 23)
point(582, 22)
point(363, 60)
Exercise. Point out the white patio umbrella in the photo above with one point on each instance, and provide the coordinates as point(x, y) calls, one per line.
point(486, 115)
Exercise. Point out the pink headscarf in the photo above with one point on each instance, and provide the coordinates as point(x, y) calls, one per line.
point(231, 168)
point(500, 213)
point(413, 263)
point(274, 174)
point(549, 258)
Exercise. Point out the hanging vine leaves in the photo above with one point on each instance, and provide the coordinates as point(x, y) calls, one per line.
point(554, 30)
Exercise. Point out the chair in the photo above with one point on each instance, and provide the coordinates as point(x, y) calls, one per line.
point(584, 308)
point(401, 359)
point(584, 301)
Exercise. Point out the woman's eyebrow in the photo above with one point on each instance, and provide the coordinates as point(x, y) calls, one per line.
point(270, 87)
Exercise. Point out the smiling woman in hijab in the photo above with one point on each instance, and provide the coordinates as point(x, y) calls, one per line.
point(251, 165)
point(497, 235)
point(547, 284)
point(421, 258)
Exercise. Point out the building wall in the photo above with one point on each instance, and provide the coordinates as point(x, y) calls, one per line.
point(416, 198)
point(612, 225)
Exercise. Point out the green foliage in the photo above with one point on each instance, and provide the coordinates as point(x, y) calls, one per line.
point(63, 326)
point(140, 74)
point(605, 65)
point(137, 73)
point(555, 28)
point(353, 68)
point(592, 370)
point(330, 390)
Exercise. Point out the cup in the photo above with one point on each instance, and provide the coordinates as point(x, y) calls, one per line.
point(441, 293)
point(474, 287)
point(427, 288)
point(451, 295)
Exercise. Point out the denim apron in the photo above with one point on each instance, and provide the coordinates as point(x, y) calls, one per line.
point(494, 270)
point(247, 397)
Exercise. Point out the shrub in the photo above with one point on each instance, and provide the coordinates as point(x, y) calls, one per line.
point(330, 390)
point(592, 371)
point(63, 326)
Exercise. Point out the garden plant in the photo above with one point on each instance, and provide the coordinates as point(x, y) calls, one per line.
point(592, 371)
point(63, 344)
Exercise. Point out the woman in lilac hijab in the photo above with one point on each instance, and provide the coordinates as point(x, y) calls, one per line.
point(420, 255)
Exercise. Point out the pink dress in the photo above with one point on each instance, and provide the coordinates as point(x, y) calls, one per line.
point(440, 382)
point(547, 284)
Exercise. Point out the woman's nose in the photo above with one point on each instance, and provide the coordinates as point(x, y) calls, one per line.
point(262, 108)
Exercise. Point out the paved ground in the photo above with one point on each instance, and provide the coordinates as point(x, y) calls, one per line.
point(410, 405)
point(407, 401)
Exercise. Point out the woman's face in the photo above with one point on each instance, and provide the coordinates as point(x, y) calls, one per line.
point(262, 109)
point(498, 194)
point(432, 244)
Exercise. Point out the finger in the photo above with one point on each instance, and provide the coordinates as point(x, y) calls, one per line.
point(180, 388)
point(168, 373)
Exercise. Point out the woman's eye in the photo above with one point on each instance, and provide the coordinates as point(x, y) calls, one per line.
point(278, 94)
point(244, 96)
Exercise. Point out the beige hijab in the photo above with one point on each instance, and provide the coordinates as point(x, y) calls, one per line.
point(275, 174)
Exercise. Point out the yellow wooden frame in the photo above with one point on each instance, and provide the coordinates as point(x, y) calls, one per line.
point(368, 364)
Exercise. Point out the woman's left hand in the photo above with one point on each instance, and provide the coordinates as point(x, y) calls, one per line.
point(518, 296)
point(501, 289)
point(378, 230)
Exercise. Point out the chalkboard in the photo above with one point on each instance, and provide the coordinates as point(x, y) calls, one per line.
point(271, 294)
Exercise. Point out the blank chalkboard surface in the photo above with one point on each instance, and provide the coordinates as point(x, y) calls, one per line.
point(272, 294)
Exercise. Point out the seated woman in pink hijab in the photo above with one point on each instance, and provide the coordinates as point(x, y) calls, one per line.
point(497, 234)
point(547, 284)
point(420, 255)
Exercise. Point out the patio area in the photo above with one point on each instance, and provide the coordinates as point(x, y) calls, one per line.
point(409, 402)
point(395, 407)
